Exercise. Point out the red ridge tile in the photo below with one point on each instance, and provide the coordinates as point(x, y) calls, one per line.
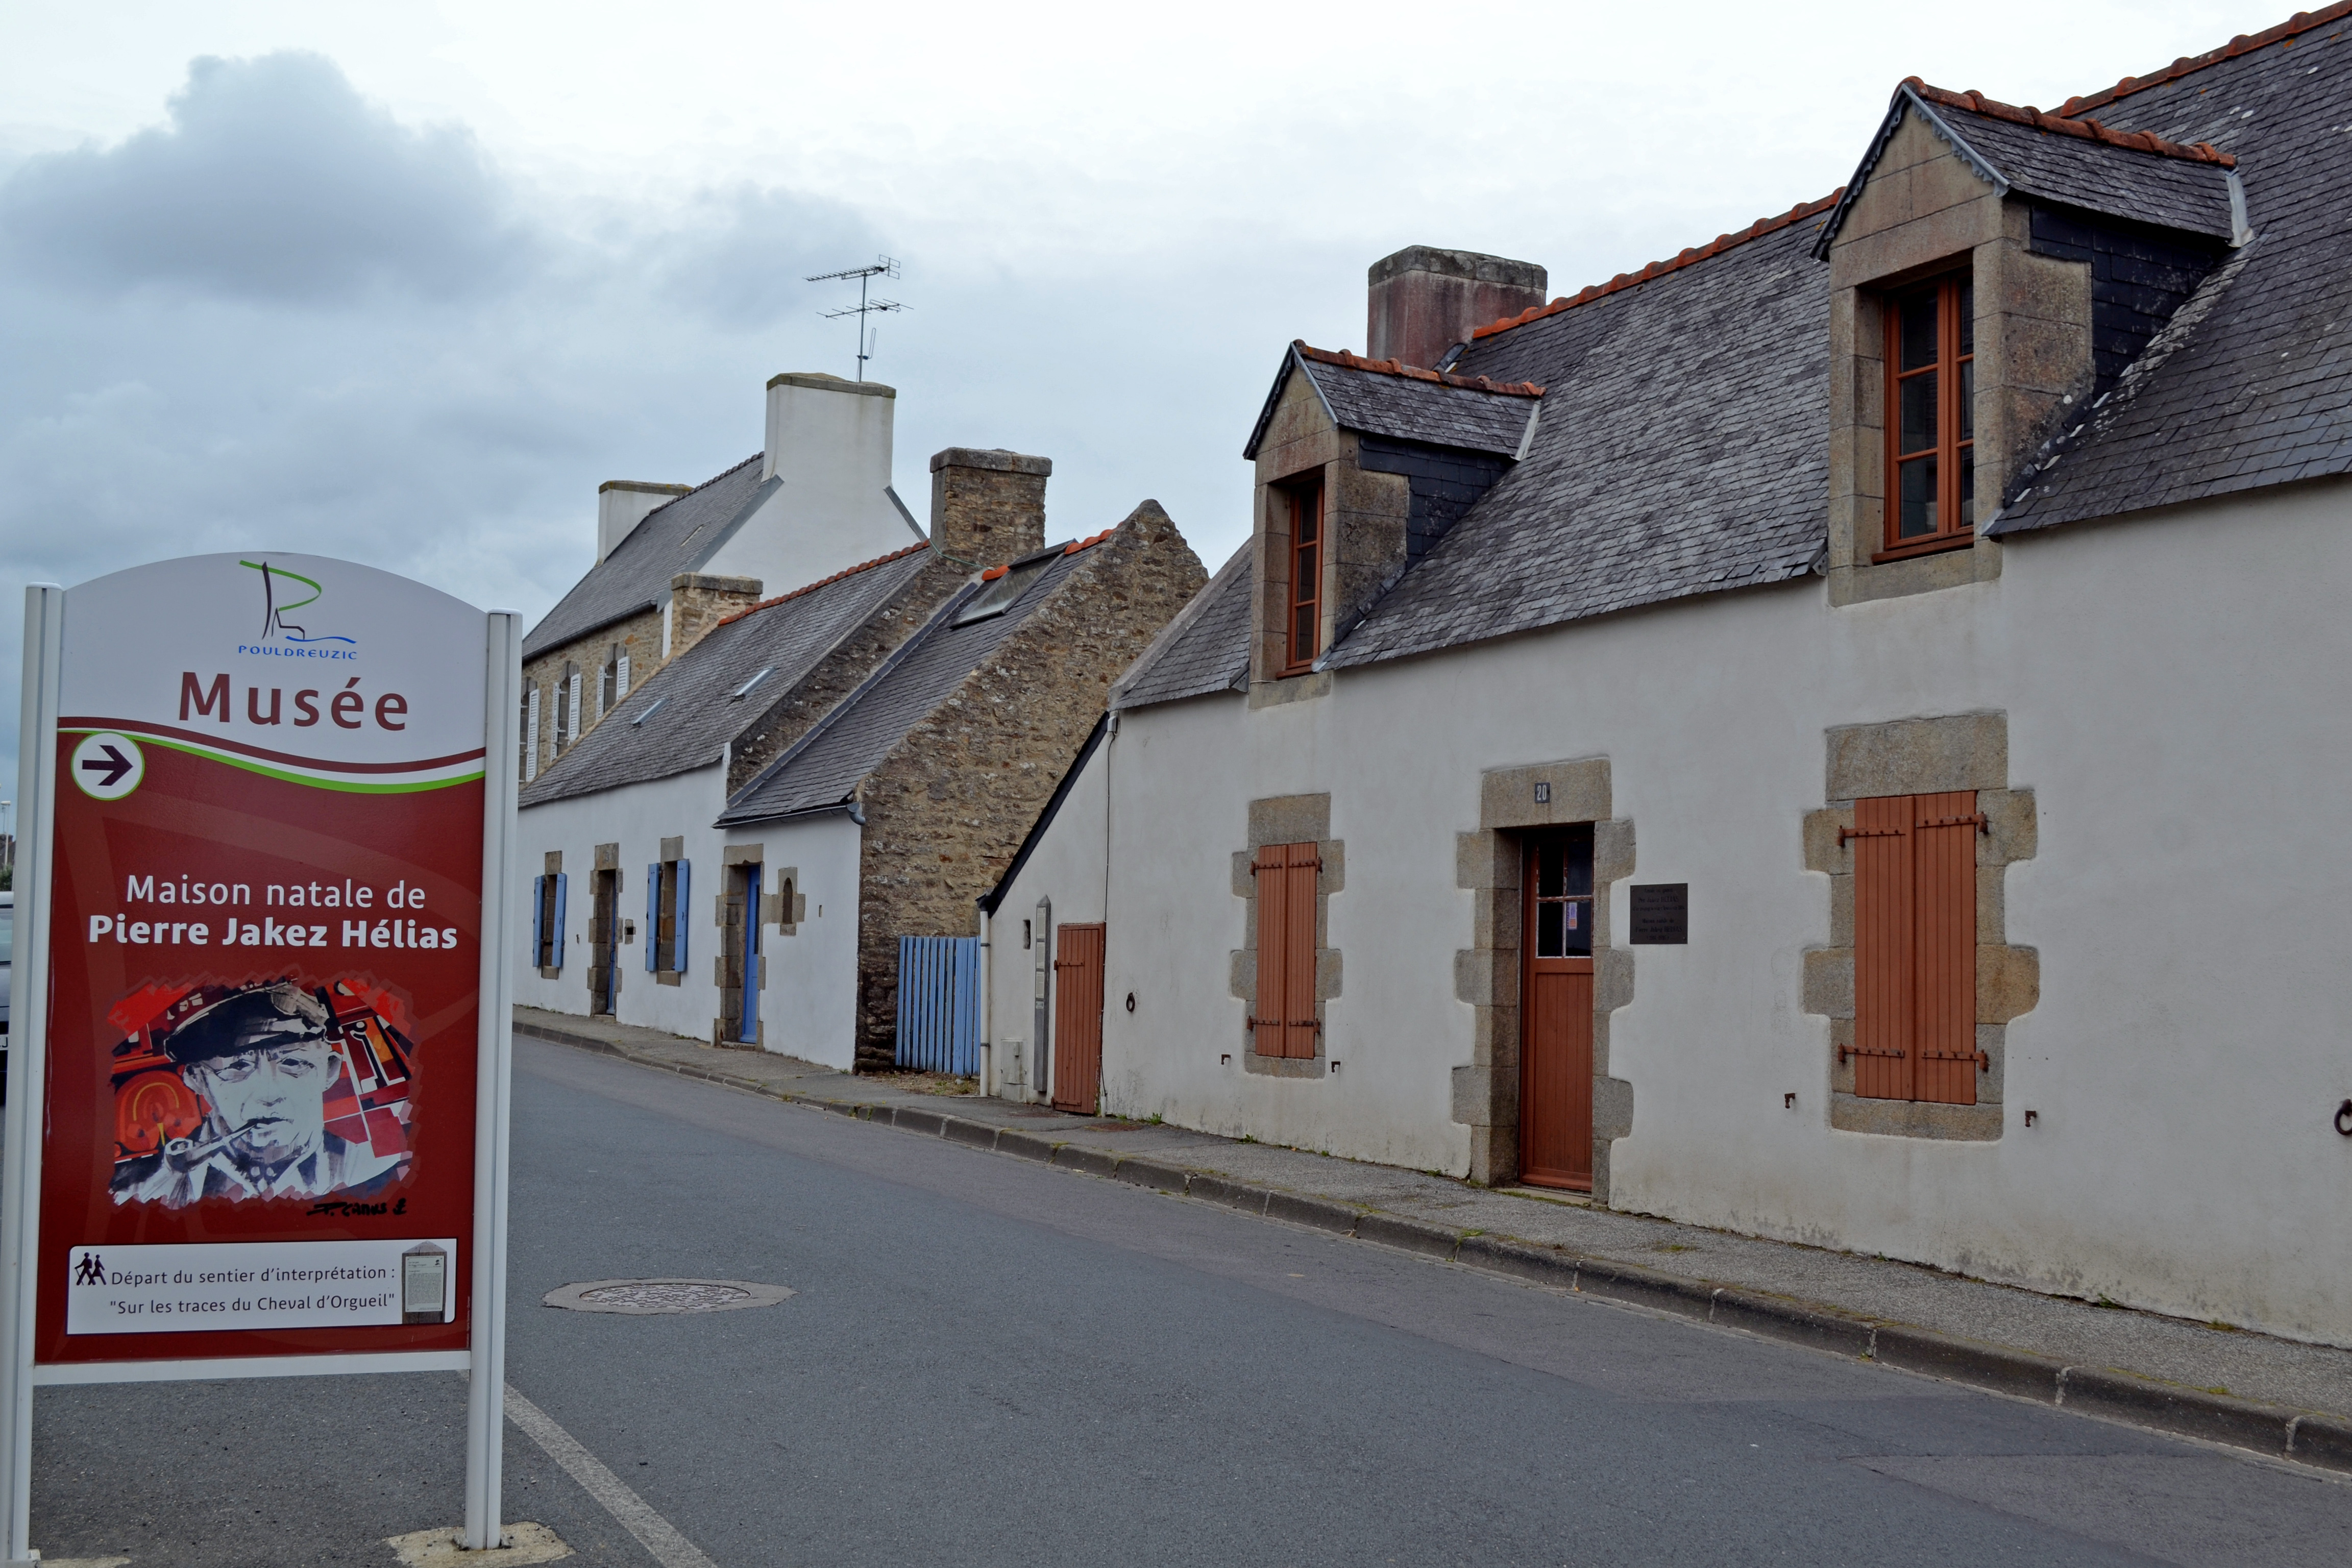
point(813, 587)
point(2061, 125)
point(1716, 247)
point(2285, 32)
point(1392, 367)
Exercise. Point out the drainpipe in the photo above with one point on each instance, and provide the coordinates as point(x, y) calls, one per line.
point(1109, 750)
point(987, 1007)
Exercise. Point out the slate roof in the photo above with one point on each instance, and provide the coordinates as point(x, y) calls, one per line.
point(1683, 447)
point(1383, 397)
point(2082, 164)
point(699, 715)
point(1684, 450)
point(677, 536)
point(824, 767)
point(2251, 383)
point(1204, 649)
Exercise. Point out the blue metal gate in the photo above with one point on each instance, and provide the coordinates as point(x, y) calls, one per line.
point(939, 1003)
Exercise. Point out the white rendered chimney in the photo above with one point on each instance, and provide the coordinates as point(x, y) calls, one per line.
point(825, 479)
point(622, 504)
point(829, 437)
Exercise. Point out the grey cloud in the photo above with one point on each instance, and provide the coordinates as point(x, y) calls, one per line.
point(274, 180)
point(163, 392)
point(741, 256)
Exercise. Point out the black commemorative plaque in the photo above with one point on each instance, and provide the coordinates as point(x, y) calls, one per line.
point(1662, 913)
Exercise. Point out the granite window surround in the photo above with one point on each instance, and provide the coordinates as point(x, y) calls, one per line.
point(1288, 819)
point(1923, 756)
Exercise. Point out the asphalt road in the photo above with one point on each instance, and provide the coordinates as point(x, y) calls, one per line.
point(986, 1362)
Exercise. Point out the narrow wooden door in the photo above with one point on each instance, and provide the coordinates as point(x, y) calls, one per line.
point(1078, 1018)
point(604, 939)
point(1556, 1012)
point(747, 1010)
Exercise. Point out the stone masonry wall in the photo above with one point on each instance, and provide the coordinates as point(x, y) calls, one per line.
point(641, 634)
point(946, 811)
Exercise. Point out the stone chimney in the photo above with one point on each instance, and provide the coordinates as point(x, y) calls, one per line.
point(987, 506)
point(622, 504)
point(700, 601)
point(1424, 301)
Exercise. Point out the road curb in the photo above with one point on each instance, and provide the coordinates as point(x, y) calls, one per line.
point(2321, 1441)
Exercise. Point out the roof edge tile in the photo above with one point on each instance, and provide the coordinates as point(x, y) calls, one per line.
point(2086, 128)
point(820, 582)
point(1716, 247)
point(1341, 357)
point(2295, 27)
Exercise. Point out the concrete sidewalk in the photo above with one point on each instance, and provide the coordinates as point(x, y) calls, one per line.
point(2247, 1390)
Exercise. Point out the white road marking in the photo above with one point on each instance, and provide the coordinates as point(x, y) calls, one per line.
point(654, 1532)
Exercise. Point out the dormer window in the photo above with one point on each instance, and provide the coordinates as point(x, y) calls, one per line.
point(1931, 417)
point(1306, 623)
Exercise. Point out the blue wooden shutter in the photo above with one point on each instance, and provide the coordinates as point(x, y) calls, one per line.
point(684, 903)
point(538, 902)
point(562, 886)
point(652, 913)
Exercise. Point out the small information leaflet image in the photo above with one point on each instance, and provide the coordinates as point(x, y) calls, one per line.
point(265, 916)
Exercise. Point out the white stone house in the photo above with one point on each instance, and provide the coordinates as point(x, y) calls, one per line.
point(732, 851)
point(672, 559)
point(1833, 736)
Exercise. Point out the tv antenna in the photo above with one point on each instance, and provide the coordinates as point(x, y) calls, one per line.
point(884, 267)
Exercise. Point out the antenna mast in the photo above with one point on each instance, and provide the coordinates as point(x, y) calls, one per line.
point(884, 267)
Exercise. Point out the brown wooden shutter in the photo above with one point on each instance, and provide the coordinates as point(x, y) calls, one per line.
point(1273, 943)
point(1915, 947)
point(1944, 946)
point(1283, 1023)
point(1881, 840)
point(1298, 961)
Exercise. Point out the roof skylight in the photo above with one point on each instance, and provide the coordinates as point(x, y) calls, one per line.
point(997, 594)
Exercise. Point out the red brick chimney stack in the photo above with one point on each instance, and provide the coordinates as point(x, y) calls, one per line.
point(1424, 299)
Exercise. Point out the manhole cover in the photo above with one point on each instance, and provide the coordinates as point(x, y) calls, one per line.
point(644, 1298)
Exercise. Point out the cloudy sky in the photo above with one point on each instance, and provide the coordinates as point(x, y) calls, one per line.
point(403, 282)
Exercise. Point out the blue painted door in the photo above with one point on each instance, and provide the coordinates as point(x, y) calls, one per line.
point(748, 1031)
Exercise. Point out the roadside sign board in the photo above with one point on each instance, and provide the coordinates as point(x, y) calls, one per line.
point(263, 1077)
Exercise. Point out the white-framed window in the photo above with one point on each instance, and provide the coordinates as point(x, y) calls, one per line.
point(531, 735)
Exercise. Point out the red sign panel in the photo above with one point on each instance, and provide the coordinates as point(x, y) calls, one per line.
point(265, 933)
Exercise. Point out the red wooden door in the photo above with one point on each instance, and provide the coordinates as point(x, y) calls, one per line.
point(1078, 1018)
point(1556, 1013)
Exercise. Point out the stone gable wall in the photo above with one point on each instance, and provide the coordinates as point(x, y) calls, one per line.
point(641, 634)
point(946, 810)
point(839, 673)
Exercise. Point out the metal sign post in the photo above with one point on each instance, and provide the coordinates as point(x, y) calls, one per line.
point(258, 1096)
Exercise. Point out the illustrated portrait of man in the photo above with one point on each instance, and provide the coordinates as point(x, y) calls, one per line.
point(261, 1060)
